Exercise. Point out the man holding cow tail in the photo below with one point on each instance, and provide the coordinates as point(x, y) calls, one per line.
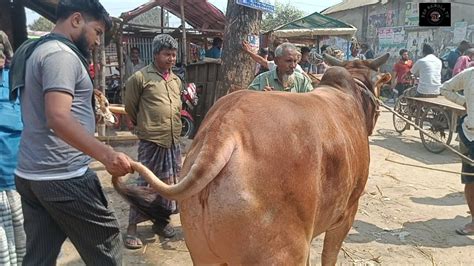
point(450, 89)
point(283, 77)
point(152, 100)
point(61, 196)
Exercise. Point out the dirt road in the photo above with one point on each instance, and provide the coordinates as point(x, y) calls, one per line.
point(407, 215)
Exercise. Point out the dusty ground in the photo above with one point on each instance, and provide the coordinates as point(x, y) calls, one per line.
point(406, 216)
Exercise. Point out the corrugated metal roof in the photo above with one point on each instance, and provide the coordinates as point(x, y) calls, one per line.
point(200, 14)
point(46, 8)
point(315, 20)
point(350, 4)
point(314, 24)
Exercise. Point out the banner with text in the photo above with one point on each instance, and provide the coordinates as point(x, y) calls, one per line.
point(263, 5)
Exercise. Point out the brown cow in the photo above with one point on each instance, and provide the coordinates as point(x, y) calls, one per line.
point(269, 171)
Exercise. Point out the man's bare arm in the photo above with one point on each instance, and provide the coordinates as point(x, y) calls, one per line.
point(257, 58)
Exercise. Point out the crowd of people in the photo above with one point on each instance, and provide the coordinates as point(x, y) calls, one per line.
point(309, 60)
point(47, 190)
point(458, 89)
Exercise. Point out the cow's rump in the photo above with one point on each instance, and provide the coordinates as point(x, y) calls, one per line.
point(268, 171)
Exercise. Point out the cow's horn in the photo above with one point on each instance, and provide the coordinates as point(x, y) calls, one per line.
point(377, 62)
point(332, 60)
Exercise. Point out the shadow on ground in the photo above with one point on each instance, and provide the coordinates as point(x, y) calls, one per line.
point(438, 233)
point(397, 143)
point(451, 199)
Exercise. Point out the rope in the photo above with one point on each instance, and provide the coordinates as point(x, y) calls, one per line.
point(464, 158)
point(429, 168)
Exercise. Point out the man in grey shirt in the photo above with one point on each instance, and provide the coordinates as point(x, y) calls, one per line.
point(61, 197)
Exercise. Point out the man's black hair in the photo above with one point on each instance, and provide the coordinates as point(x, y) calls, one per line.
point(402, 51)
point(90, 9)
point(216, 41)
point(305, 50)
point(323, 48)
point(427, 49)
point(263, 51)
point(135, 48)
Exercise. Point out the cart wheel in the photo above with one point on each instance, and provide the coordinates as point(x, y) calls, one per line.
point(436, 121)
point(401, 107)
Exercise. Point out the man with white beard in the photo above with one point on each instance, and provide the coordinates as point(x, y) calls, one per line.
point(283, 77)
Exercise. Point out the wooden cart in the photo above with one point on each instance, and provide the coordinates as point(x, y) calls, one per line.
point(438, 115)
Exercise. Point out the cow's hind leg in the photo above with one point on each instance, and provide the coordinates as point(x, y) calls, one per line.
point(336, 235)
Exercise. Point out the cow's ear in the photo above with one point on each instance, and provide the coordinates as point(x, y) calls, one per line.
point(332, 60)
point(377, 62)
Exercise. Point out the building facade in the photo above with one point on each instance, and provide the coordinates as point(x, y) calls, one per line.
point(390, 25)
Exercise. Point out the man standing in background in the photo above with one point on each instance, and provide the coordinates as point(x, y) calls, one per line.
point(153, 103)
point(133, 63)
point(400, 70)
point(454, 55)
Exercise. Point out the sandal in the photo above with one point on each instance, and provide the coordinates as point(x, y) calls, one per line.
point(464, 232)
point(164, 231)
point(132, 242)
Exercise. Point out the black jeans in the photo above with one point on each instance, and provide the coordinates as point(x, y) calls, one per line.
point(74, 208)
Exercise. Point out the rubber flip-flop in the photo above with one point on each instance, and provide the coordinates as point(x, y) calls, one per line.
point(166, 231)
point(132, 242)
point(461, 231)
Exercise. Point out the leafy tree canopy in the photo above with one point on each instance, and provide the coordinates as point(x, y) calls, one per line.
point(41, 24)
point(284, 13)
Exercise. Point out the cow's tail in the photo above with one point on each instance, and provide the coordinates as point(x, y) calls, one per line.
point(209, 162)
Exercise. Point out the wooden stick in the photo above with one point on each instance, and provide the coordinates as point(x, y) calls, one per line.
point(429, 168)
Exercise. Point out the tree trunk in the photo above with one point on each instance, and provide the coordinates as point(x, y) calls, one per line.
point(238, 69)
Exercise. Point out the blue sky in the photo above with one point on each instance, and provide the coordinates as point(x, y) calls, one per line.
point(116, 7)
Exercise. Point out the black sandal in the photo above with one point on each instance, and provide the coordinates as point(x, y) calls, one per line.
point(164, 231)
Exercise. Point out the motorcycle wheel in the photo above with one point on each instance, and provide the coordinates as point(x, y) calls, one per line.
point(188, 127)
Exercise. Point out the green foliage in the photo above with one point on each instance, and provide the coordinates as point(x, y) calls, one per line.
point(41, 24)
point(284, 13)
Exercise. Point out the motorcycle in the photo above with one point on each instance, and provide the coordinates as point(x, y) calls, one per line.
point(113, 90)
point(189, 97)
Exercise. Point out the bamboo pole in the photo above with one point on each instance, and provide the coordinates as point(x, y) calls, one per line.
point(101, 124)
point(102, 64)
point(162, 18)
point(183, 24)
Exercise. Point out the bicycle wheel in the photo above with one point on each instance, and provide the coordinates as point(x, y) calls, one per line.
point(436, 121)
point(401, 107)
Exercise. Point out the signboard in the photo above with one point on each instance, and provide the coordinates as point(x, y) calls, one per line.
point(391, 40)
point(460, 30)
point(411, 14)
point(263, 5)
point(382, 20)
point(415, 41)
point(254, 42)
